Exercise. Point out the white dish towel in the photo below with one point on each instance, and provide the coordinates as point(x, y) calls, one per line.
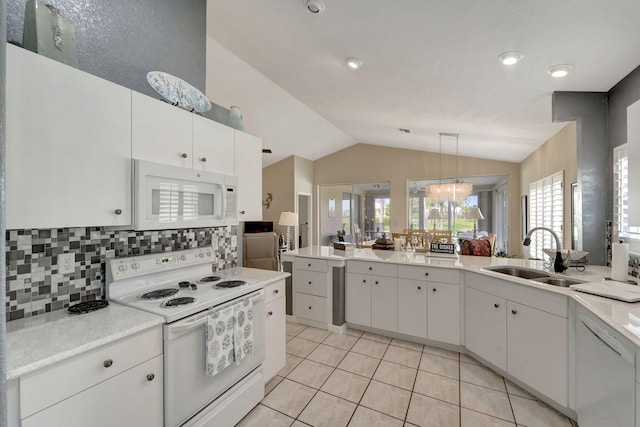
point(219, 344)
point(229, 335)
point(243, 337)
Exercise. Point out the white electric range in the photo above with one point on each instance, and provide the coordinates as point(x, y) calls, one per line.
point(181, 287)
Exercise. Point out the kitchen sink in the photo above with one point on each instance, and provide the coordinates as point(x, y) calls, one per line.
point(536, 275)
point(558, 281)
point(524, 273)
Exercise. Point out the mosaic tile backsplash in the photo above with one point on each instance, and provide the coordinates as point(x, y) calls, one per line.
point(35, 287)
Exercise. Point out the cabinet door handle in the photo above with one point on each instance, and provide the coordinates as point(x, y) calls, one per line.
point(308, 265)
point(203, 160)
point(309, 282)
point(426, 273)
point(419, 287)
point(242, 212)
point(118, 211)
point(435, 290)
point(370, 268)
point(376, 282)
point(107, 363)
point(276, 291)
point(270, 313)
point(184, 155)
point(514, 311)
point(364, 280)
point(150, 377)
point(496, 305)
point(309, 307)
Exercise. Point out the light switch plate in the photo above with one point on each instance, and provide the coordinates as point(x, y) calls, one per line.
point(66, 263)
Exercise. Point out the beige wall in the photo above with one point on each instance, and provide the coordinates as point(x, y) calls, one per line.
point(363, 163)
point(277, 179)
point(557, 154)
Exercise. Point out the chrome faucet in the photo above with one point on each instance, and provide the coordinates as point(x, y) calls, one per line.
point(558, 265)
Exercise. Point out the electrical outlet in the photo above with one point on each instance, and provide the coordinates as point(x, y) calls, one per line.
point(66, 263)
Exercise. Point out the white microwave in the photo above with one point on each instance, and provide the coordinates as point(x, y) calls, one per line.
point(166, 196)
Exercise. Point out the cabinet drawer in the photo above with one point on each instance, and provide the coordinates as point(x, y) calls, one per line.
point(311, 264)
point(132, 398)
point(375, 268)
point(48, 386)
point(311, 307)
point(442, 275)
point(274, 291)
point(310, 282)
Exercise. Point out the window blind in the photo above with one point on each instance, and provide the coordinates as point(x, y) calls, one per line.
point(546, 209)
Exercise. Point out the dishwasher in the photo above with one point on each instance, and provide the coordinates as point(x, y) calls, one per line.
point(605, 374)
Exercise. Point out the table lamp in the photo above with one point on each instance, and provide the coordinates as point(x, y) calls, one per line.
point(475, 215)
point(289, 219)
point(434, 214)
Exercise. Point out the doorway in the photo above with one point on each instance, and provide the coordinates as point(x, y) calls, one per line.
point(304, 220)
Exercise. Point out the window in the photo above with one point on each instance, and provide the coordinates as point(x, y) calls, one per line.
point(621, 227)
point(546, 203)
point(382, 213)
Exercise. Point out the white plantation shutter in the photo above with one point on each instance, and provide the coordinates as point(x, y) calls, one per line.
point(546, 209)
point(620, 191)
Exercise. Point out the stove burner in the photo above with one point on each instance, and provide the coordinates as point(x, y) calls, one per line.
point(230, 284)
point(209, 279)
point(175, 302)
point(87, 306)
point(159, 294)
point(184, 284)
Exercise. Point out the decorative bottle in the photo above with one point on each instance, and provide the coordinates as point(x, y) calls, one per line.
point(235, 118)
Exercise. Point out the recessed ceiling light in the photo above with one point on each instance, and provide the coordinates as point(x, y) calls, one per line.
point(354, 62)
point(315, 6)
point(510, 58)
point(559, 70)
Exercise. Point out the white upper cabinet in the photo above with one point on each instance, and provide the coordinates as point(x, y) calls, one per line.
point(248, 169)
point(161, 132)
point(213, 146)
point(68, 146)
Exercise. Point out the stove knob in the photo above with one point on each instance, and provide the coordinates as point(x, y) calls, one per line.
point(201, 255)
point(182, 257)
point(122, 267)
point(208, 253)
point(135, 266)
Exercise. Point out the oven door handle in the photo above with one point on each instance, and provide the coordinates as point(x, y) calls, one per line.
point(178, 329)
point(174, 330)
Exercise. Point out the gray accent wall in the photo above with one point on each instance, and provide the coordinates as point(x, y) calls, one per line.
point(623, 94)
point(589, 110)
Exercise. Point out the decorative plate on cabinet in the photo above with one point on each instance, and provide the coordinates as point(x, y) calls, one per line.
point(178, 92)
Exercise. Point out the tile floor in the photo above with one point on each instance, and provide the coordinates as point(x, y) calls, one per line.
point(363, 379)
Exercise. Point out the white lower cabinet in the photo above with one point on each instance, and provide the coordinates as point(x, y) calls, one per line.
point(372, 295)
point(412, 304)
point(384, 303)
point(537, 350)
point(275, 330)
point(521, 330)
point(443, 312)
point(120, 383)
point(311, 289)
point(358, 299)
point(132, 398)
point(485, 327)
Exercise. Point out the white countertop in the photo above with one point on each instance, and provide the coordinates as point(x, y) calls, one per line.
point(37, 342)
point(623, 317)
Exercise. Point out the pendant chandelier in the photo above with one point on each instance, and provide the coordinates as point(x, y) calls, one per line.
point(457, 191)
